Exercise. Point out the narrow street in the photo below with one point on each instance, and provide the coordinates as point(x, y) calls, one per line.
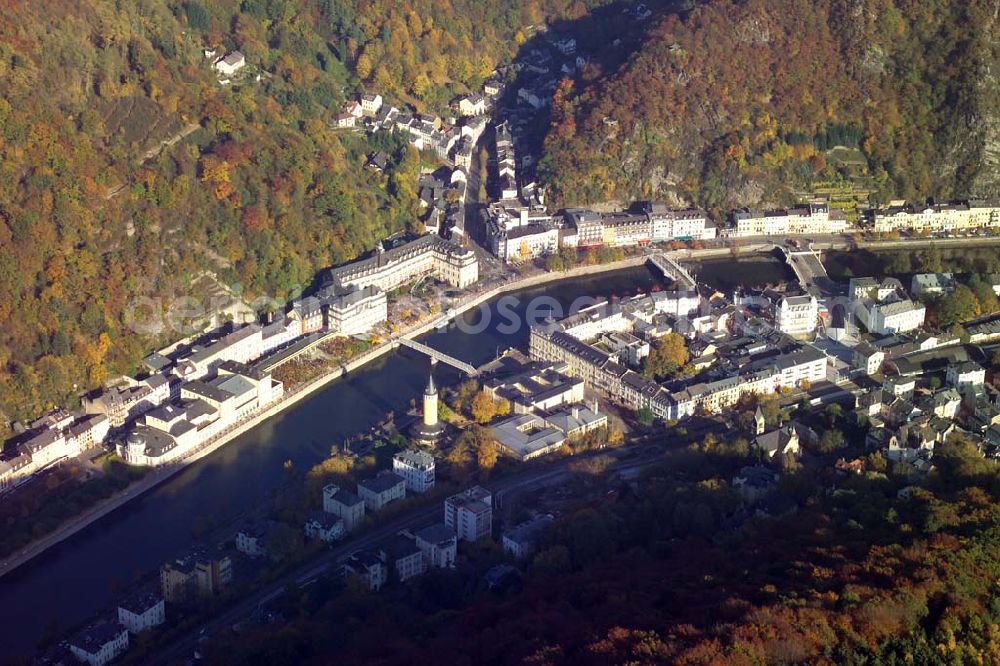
point(475, 214)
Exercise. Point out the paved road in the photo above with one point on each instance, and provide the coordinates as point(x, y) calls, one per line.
point(475, 216)
point(183, 648)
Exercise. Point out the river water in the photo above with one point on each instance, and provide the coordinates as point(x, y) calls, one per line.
point(77, 578)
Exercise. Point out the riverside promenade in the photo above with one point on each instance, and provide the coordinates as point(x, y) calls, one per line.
point(159, 475)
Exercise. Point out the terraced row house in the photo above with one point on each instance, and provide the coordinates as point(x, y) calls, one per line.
point(935, 218)
point(779, 361)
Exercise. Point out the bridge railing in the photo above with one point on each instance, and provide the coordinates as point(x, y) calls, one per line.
point(467, 368)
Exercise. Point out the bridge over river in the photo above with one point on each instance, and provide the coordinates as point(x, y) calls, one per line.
point(809, 271)
point(436, 355)
point(669, 267)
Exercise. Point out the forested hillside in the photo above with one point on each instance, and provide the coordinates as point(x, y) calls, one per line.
point(740, 103)
point(258, 190)
point(868, 570)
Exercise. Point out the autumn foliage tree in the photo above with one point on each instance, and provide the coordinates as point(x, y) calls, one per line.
point(666, 357)
point(483, 407)
point(136, 173)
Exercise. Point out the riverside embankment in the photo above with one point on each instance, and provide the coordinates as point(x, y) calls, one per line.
point(163, 474)
point(79, 574)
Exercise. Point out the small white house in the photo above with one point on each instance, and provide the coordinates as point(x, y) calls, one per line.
point(100, 644)
point(371, 103)
point(142, 611)
point(994, 281)
point(250, 540)
point(343, 120)
point(754, 483)
point(522, 541)
point(932, 284)
point(354, 108)
point(230, 64)
point(324, 526)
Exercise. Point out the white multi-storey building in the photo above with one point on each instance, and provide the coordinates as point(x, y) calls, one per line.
point(356, 311)
point(121, 404)
point(524, 243)
point(686, 224)
point(344, 504)
point(324, 526)
point(869, 288)
point(371, 103)
point(100, 644)
point(626, 229)
point(470, 513)
point(797, 315)
point(438, 544)
point(369, 568)
point(589, 226)
point(891, 318)
point(381, 489)
point(279, 333)
point(795, 364)
point(427, 255)
point(142, 611)
point(964, 375)
point(54, 437)
point(401, 553)
point(416, 468)
point(205, 409)
point(814, 218)
point(868, 358)
point(958, 216)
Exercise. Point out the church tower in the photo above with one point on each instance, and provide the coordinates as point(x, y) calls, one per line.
point(430, 403)
point(758, 419)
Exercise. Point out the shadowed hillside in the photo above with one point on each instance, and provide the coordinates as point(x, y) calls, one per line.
point(740, 103)
point(262, 192)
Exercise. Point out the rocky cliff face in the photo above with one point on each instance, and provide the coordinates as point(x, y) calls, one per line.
point(757, 102)
point(984, 125)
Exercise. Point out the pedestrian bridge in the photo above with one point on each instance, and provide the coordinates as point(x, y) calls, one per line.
point(439, 356)
point(673, 270)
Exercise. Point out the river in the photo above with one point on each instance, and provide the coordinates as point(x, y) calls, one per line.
point(754, 271)
point(77, 578)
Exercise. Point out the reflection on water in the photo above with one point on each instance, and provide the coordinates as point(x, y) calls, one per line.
point(726, 275)
point(75, 579)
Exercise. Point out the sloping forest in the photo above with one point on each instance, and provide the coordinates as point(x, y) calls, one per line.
point(746, 103)
point(871, 568)
point(95, 209)
point(130, 172)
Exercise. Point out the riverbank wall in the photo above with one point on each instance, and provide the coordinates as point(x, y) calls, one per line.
point(161, 475)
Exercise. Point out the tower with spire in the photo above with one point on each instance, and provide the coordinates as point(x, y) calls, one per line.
point(429, 429)
point(758, 420)
point(430, 403)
